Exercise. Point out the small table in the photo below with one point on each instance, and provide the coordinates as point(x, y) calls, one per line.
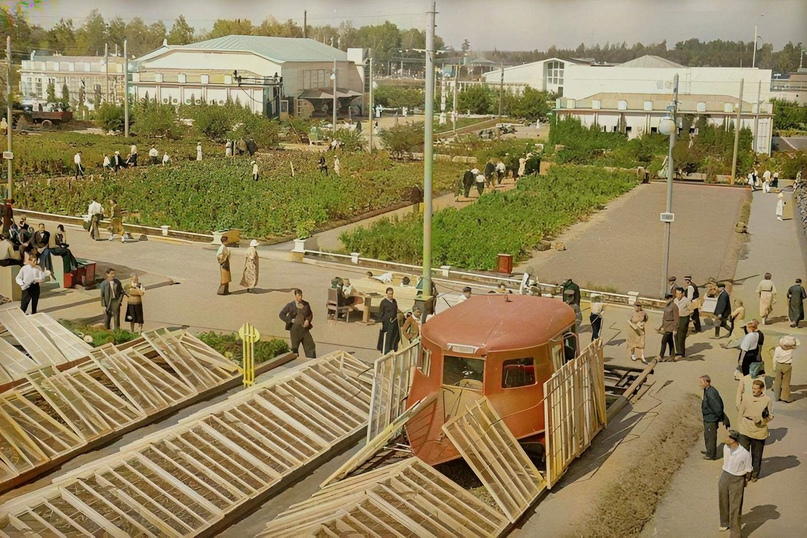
point(365, 306)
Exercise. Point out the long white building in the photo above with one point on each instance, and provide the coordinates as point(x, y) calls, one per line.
point(271, 75)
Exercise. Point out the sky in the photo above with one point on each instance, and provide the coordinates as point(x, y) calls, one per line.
point(487, 24)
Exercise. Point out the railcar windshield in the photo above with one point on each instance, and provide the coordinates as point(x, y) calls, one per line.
point(463, 372)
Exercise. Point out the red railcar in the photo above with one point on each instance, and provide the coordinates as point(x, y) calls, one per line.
point(502, 347)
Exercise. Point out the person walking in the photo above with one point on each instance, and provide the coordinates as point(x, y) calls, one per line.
point(154, 155)
point(795, 303)
point(29, 278)
point(731, 485)
point(77, 162)
point(134, 306)
point(722, 310)
point(480, 183)
point(767, 296)
point(95, 212)
point(198, 151)
point(738, 314)
point(115, 220)
point(118, 161)
point(754, 413)
point(595, 317)
point(780, 206)
point(783, 368)
point(249, 279)
point(684, 311)
point(669, 325)
point(298, 317)
point(693, 294)
point(636, 333)
point(712, 411)
point(749, 348)
point(166, 158)
point(223, 257)
point(112, 294)
point(389, 336)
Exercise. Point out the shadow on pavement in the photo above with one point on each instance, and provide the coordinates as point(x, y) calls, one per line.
point(774, 464)
point(757, 517)
point(776, 434)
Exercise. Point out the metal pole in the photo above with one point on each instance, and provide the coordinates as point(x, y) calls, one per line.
point(756, 117)
point(370, 127)
point(106, 63)
point(454, 104)
point(737, 133)
point(334, 97)
point(125, 90)
point(754, 57)
point(428, 161)
point(501, 90)
point(668, 225)
point(305, 22)
point(9, 120)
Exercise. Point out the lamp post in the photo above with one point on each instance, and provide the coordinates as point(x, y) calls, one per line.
point(370, 126)
point(428, 161)
point(333, 78)
point(754, 57)
point(667, 126)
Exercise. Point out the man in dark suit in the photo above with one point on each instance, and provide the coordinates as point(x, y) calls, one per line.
point(41, 238)
point(298, 317)
point(712, 411)
point(111, 298)
point(722, 310)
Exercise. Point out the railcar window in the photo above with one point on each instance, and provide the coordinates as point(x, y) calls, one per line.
point(518, 373)
point(425, 361)
point(463, 372)
point(557, 354)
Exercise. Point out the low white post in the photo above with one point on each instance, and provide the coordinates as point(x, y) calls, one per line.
point(165, 230)
point(445, 270)
point(354, 257)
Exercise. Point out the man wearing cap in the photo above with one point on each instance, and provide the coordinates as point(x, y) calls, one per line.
point(712, 411)
point(466, 294)
point(731, 485)
point(673, 284)
point(692, 293)
point(753, 414)
point(669, 325)
point(722, 309)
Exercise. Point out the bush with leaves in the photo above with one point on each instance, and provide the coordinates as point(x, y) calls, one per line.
point(351, 140)
point(477, 99)
point(390, 96)
point(229, 345)
point(403, 140)
point(471, 237)
point(156, 120)
point(110, 117)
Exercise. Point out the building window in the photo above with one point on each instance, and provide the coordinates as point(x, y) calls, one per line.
point(518, 373)
point(316, 78)
point(463, 372)
point(553, 72)
point(425, 359)
point(622, 105)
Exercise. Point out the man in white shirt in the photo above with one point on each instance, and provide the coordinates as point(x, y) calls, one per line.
point(749, 347)
point(692, 294)
point(153, 154)
point(77, 162)
point(166, 158)
point(731, 486)
point(95, 211)
point(466, 294)
point(684, 311)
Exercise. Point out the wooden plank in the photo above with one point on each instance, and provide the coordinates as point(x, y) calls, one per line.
point(197, 378)
point(14, 362)
point(495, 456)
point(41, 349)
point(69, 344)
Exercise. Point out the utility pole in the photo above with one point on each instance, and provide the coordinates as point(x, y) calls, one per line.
point(106, 63)
point(670, 170)
point(370, 127)
point(754, 57)
point(428, 162)
point(125, 90)
point(334, 97)
point(737, 133)
point(305, 22)
point(756, 116)
point(10, 120)
point(454, 104)
point(501, 89)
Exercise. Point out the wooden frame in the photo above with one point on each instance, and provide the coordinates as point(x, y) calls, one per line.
point(197, 476)
point(495, 456)
point(392, 378)
point(574, 410)
point(409, 498)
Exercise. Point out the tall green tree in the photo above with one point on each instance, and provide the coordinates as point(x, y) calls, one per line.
point(92, 35)
point(181, 32)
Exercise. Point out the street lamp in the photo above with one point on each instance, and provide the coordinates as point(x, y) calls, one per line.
point(668, 127)
point(333, 78)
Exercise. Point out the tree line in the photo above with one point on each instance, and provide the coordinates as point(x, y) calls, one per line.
point(691, 53)
point(88, 37)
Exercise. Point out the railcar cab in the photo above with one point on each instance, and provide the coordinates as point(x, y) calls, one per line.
point(499, 347)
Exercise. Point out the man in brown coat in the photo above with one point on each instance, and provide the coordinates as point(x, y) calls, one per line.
point(669, 324)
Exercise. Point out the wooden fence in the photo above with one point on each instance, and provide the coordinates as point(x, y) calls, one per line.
point(392, 375)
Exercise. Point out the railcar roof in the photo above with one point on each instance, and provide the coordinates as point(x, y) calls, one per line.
point(499, 322)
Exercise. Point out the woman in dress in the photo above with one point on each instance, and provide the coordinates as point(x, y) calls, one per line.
point(134, 306)
point(780, 206)
point(636, 332)
point(767, 296)
point(249, 279)
point(223, 257)
point(390, 334)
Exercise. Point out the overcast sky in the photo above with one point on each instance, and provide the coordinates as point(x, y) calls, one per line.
point(487, 24)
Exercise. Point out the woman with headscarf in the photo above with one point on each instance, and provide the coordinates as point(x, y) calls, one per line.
point(249, 279)
point(389, 336)
point(223, 257)
point(134, 306)
point(636, 333)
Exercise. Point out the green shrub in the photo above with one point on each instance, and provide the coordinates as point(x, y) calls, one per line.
point(229, 345)
point(403, 140)
point(156, 119)
point(99, 336)
point(471, 237)
point(110, 117)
